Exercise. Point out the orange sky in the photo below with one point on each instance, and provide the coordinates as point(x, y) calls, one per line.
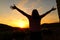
point(14, 18)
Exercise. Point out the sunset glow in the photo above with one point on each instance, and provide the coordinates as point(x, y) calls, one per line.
point(22, 24)
point(16, 19)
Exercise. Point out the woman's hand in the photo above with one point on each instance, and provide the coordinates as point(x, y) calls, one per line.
point(53, 8)
point(13, 7)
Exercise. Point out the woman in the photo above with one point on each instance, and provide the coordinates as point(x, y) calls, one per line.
point(34, 20)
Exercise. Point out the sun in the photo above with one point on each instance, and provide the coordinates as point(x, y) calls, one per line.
point(21, 24)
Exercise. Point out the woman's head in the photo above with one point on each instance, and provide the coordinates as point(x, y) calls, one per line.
point(35, 13)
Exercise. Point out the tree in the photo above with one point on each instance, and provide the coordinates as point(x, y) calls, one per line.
point(58, 6)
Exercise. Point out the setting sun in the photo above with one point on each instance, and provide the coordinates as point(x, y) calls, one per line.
point(20, 23)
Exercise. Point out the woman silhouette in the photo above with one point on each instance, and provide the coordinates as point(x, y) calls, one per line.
point(34, 19)
point(34, 22)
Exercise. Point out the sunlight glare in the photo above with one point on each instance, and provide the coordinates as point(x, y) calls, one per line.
point(22, 24)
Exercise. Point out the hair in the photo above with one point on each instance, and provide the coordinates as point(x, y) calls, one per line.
point(35, 13)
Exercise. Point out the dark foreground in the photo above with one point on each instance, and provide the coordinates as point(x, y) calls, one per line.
point(49, 32)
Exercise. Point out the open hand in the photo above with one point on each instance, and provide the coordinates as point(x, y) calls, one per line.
point(53, 8)
point(13, 7)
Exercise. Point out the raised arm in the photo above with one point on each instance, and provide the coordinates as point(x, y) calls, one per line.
point(48, 12)
point(22, 12)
